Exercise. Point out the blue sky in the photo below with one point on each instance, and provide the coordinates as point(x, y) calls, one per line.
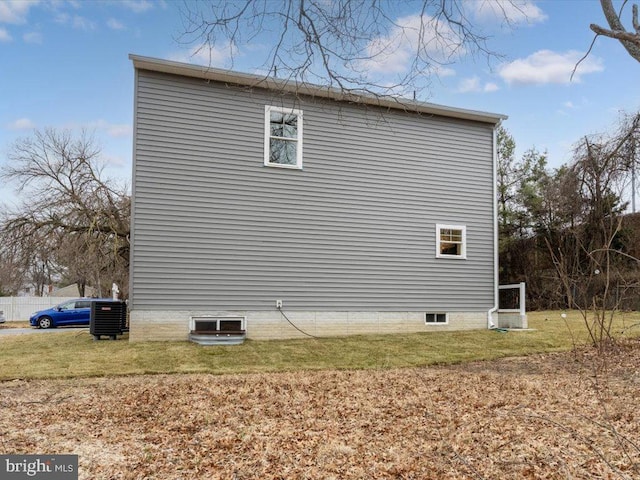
point(64, 64)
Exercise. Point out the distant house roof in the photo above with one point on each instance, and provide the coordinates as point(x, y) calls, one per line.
point(270, 83)
point(72, 291)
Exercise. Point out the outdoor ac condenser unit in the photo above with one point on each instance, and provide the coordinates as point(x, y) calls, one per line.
point(108, 318)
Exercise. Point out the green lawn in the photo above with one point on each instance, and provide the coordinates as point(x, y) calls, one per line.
point(74, 353)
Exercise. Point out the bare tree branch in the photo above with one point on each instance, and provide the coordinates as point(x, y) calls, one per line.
point(630, 40)
point(345, 43)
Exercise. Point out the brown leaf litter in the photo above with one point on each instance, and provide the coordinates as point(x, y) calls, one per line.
point(557, 416)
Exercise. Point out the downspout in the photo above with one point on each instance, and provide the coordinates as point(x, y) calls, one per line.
point(490, 323)
point(134, 149)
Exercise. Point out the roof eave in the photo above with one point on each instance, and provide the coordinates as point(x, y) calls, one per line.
point(270, 83)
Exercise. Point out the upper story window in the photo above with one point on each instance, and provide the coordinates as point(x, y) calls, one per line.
point(283, 137)
point(451, 241)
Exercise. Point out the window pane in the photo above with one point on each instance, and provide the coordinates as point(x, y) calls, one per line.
point(206, 325)
point(283, 125)
point(290, 126)
point(449, 235)
point(275, 123)
point(282, 152)
point(448, 248)
point(289, 131)
point(276, 117)
point(226, 325)
point(436, 318)
point(276, 129)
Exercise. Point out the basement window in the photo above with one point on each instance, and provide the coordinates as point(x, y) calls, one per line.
point(283, 137)
point(206, 324)
point(436, 318)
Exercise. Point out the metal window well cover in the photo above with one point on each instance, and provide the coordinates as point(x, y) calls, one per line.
point(108, 318)
point(227, 330)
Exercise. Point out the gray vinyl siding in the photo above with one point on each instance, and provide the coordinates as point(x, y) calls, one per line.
point(353, 230)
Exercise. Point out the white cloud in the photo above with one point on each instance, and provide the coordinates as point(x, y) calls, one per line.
point(138, 6)
point(444, 71)
point(214, 57)
point(122, 130)
point(32, 37)
point(115, 130)
point(508, 11)
point(469, 85)
point(569, 106)
point(76, 21)
point(21, 124)
point(474, 85)
point(395, 52)
point(15, 11)
point(545, 66)
point(62, 18)
point(4, 35)
point(82, 23)
point(114, 24)
point(491, 87)
point(112, 129)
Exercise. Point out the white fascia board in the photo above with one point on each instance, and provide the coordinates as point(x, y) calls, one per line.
point(270, 83)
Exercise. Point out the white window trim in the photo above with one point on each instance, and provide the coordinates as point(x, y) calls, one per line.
point(463, 228)
point(216, 318)
point(267, 136)
point(446, 322)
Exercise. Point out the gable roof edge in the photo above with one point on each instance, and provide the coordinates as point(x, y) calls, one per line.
point(277, 84)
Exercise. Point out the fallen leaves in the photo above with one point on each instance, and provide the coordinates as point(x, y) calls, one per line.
point(558, 416)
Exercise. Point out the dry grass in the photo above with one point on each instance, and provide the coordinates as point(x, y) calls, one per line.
point(15, 324)
point(552, 416)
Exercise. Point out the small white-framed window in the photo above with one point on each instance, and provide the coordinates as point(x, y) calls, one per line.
point(436, 318)
point(282, 137)
point(451, 241)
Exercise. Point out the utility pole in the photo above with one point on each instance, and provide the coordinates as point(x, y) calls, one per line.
point(633, 186)
point(633, 174)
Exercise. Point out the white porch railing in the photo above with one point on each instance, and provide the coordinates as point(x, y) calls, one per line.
point(514, 317)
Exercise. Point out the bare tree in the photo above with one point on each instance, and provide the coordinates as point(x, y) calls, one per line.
point(347, 43)
point(590, 254)
point(12, 271)
point(629, 39)
point(69, 203)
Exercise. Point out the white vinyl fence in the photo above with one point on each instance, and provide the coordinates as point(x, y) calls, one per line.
point(21, 308)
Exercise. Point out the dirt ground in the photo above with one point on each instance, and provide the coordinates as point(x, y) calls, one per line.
point(561, 416)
